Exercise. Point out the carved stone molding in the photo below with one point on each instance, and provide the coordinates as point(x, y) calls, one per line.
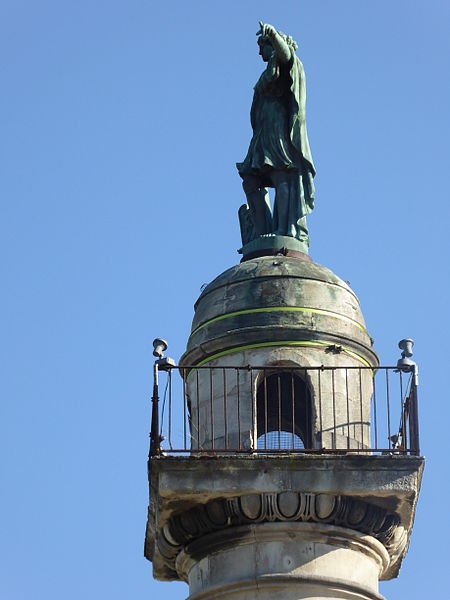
point(221, 514)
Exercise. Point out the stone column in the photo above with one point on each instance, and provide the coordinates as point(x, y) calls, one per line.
point(288, 561)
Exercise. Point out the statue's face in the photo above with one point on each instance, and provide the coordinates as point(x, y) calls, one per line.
point(265, 50)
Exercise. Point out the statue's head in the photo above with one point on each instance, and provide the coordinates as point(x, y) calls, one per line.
point(265, 47)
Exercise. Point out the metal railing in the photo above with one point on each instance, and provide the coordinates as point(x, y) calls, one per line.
point(303, 410)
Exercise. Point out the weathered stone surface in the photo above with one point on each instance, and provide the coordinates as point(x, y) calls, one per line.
point(329, 392)
point(180, 484)
point(284, 561)
point(290, 507)
point(279, 311)
point(276, 298)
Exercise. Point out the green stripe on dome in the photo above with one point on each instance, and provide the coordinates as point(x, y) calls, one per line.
point(281, 344)
point(294, 309)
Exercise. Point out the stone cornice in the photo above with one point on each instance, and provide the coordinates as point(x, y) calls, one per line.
point(179, 484)
point(335, 510)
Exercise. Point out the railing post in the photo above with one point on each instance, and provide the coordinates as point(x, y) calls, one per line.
point(414, 425)
point(155, 438)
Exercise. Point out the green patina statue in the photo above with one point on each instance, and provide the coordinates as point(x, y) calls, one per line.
point(279, 154)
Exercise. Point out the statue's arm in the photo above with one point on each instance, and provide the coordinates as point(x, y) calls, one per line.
point(282, 50)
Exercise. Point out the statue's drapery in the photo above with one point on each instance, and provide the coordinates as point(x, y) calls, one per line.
point(280, 141)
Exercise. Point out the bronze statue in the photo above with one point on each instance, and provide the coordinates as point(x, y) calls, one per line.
point(279, 154)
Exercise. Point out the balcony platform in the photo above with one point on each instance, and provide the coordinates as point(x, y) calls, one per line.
point(361, 492)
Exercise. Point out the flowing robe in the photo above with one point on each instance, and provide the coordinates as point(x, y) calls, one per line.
point(280, 142)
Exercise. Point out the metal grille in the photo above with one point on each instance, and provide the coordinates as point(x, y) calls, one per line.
point(282, 440)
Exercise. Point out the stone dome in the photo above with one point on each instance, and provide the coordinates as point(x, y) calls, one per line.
point(277, 300)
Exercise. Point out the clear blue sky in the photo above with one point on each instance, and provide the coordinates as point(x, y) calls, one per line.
point(121, 122)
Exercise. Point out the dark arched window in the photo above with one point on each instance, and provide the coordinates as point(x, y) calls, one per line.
point(283, 412)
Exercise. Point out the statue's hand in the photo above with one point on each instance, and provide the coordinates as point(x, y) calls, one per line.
point(277, 41)
point(266, 30)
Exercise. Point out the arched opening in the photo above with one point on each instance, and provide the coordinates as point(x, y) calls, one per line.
point(283, 412)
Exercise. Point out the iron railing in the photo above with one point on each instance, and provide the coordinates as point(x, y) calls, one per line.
point(304, 410)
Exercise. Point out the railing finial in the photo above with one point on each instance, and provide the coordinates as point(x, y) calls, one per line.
point(405, 363)
point(165, 363)
point(159, 347)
